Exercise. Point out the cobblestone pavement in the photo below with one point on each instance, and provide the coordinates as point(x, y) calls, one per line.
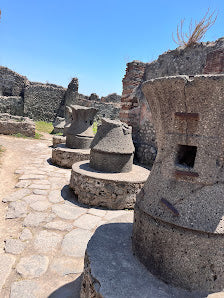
point(43, 251)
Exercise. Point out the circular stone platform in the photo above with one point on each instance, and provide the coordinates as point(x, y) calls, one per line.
point(66, 157)
point(111, 190)
point(56, 140)
point(111, 269)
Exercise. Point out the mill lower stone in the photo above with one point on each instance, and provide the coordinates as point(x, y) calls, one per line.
point(110, 190)
point(112, 149)
point(66, 157)
point(111, 270)
point(178, 229)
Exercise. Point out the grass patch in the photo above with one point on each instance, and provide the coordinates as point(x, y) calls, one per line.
point(57, 134)
point(19, 135)
point(95, 123)
point(38, 135)
point(42, 126)
point(2, 149)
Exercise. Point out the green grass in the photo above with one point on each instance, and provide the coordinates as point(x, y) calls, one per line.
point(95, 127)
point(38, 135)
point(2, 149)
point(42, 126)
point(20, 135)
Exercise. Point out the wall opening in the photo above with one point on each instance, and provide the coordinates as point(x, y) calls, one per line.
point(186, 156)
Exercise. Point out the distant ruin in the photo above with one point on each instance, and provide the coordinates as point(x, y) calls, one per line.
point(46, 102)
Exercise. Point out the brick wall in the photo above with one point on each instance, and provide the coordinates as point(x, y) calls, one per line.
point(215, 62)
point(130, 107)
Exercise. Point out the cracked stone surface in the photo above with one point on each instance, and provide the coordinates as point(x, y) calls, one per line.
point(17, 209)
point(25, 235)
point(46, 231)
point(6, 263)
point(47, 241)
point(75, 242)
point(63, 266)
point(67, 212)
point(33, 266)
point(14, 246)
point(24, 289)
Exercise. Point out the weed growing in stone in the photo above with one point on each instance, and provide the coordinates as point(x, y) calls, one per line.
point(195, 32)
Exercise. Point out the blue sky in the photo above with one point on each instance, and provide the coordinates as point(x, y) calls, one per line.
point(53, 41)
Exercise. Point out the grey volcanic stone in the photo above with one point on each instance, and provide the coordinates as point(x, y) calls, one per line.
point(59, 124)
point(112, 148)
point(179, 209)
point(64, 266)
point(12, 105)
point(111, 190)
point(42, 101)
point(47, 241)
point(17, 209)
point(40, 205)
point(113, 97)
point(68, 211)
point(59, 225)
point(58, 140)
point(80, 134)
point(25, 235)
point(75, 242)
point(55, 196)
point(14, 246)
point(111, 269)
point(16, 124)
point(66, 157)
point(34, 219)
point(11, 83)
point(24, 289)
point(6, 263)
point(68, 119)
point(34, 198)
point(17, 195)
point(32, 266)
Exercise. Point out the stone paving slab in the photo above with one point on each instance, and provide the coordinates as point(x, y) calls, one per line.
point(45, 258)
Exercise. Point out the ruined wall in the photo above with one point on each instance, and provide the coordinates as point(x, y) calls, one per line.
point(42, 101)
point(11, 83)
point(198, 59)
point(12, 105)
point(108, 106)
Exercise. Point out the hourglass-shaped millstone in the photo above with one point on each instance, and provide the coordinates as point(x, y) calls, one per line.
point(179, 214)
point(68, 119)
point(112, 149)
point(80, 133)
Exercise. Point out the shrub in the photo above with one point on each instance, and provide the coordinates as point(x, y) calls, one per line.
point(196, 32)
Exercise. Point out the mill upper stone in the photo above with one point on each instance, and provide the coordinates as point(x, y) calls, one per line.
point(180, 208)
point(80, 133)
point(112, 148)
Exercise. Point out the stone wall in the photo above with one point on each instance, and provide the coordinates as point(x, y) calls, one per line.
point(198, 59)
point(108, 106)
point(12, 105)
point(11, 83)
point(10, 125)
point(46, 102)
point(42, 101)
